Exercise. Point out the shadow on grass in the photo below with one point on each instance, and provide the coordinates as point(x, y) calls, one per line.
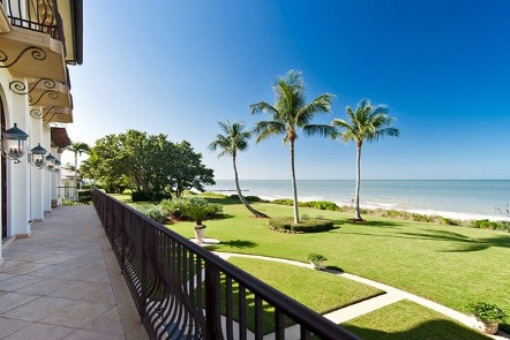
point(334, 269)
point(463, 243)
point(385, 224)
point(223, 217)
point(434, 329)
point(240, 244)
point(466, 243)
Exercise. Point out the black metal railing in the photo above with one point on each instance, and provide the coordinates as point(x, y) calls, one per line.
point(183, 291)
point(36, 15)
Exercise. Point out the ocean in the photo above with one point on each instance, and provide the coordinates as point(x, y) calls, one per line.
point(460, 199)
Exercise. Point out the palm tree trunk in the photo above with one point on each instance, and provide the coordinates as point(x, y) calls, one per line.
point(256, 213)
point(294, 185)
point(357, 215)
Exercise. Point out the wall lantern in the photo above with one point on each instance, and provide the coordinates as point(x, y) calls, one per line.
point(57, 165)
point(50, 162)
point(36, 156)
point(13, 143)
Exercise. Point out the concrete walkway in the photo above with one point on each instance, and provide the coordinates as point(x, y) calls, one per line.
point(64, 283)
point(353, 311)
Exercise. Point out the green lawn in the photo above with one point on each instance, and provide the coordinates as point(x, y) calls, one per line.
point(319, 291)
point(410, 321)
point(449, 265)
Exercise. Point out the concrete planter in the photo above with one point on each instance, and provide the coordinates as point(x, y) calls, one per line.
point(317, 265)
point(199, 235)
point(486, 326)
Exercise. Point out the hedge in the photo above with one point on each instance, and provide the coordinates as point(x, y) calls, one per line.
point(287, 225)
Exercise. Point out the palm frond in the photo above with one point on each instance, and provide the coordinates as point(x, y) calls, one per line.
point(263, 107)
point(265, 129)
point(322, 130)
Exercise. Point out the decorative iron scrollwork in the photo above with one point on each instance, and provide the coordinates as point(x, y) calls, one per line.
point(19, 87)
point(53, 111)
point(51, 94)
point(37, 114)
point(36, 52)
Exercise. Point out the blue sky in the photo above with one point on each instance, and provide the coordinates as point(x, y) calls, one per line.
point(179, 67)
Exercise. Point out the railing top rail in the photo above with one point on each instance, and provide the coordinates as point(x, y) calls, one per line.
point(295, 310)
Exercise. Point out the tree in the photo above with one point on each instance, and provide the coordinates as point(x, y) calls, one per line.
point(91, 167)
point(369, 124)
point(188, 171)
point(150, 165)
point(235, 139)
point(77, 148)
point(291, 113)
point(112, 170)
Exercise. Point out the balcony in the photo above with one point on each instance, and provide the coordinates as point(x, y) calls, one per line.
point(38, 38)
point(64, 283)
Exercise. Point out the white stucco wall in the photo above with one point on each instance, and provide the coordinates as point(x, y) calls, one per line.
point(36, 174)
point(47, 176)
point(18, 174)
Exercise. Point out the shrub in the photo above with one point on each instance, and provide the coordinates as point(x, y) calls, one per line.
point(392, 213)
point(144, 196)
point(448, 221)
point(140, 196)
point(213, 194)
point(494, 225)
point(193, 208)
point(313, 257)
point(287, 225)
point(173, 208)
point(322, 205)
point(283, 201)
point(152, 211)
point(487, 311)
point(421, 218)
point(248, 198)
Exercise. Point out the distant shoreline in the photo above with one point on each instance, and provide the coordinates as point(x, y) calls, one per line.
point(455, 199)
point(446, 214)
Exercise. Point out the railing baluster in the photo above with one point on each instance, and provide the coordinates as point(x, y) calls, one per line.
point(279, 324)
point(242, 313)
point(212, 304)
point(259, 322)
point(229, 301)
point(305, 334)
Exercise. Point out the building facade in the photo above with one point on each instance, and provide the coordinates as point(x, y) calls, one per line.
point(38, 40)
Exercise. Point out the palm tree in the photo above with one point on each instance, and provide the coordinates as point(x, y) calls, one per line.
point(90, 166)
point(235, 139)
point(77, 148)
point(369, 124)
point(290, 113)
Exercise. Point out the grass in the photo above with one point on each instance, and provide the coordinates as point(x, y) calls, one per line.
point(447, 264)
point(413, 321)
point(319, 291)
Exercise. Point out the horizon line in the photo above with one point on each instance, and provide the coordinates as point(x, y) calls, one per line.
point(370, 179)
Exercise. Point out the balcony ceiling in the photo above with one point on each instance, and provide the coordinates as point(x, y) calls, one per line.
point(51, 94)
point(57, 115)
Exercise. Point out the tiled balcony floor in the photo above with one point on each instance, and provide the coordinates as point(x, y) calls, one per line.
point(64, 283)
